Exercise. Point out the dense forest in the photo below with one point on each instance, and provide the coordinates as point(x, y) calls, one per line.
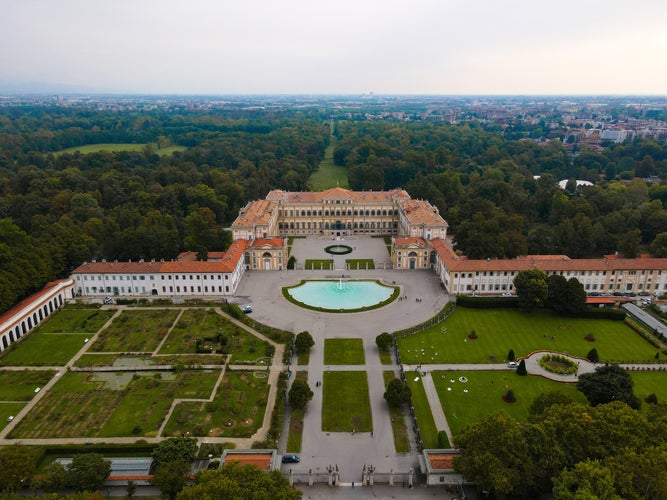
point(60, 209)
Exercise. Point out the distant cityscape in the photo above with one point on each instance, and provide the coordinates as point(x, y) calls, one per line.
point(574, 120)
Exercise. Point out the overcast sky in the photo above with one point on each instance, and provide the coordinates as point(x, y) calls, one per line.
point(342, 46)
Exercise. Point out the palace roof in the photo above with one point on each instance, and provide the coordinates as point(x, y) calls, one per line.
point(552, 263)
point(422, 212)
point(256, 212)
point(337, 193)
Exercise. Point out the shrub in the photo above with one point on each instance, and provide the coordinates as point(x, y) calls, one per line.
point(509, 396)
point(521, 369)
point(510, 355)
point(593, 356)
point(652, 399)
point(555, 363)
point(472, 335)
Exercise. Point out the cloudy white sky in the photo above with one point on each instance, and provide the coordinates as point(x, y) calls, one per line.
point(342, 46)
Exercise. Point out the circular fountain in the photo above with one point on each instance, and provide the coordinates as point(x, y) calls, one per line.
point(341, 295)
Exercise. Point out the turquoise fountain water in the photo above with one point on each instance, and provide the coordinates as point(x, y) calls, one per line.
point(337, 295)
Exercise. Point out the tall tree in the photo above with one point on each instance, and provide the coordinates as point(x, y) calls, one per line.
point(16, 465)
point(531, 288)
point(300, 394)
point(171, 477)
point(606, 384)
point(88, 471)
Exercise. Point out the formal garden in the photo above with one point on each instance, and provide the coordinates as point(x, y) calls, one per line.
point(135, 396)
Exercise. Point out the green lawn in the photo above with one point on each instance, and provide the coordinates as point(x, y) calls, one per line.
point(649, 382)
point(135, 331)
point(500, 330)
point(354, 264)
point(214, 333)
point(117, 147)
point(398, 428)
point(295, 435)
point(485, 392)
point(346, 404)
point(7, 410)
point(319, 264)
point(327, 174)
point(71, 320)
point(43, 349)
point(237, 410)
point(21, 385)
point(344, 352)
point(427, 428)
point(78, 406)
point(385, 357)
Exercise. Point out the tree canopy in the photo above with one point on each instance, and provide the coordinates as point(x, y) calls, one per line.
point(531, 288)
point(300, 394)
point(239, 481)
point(397, 393)
point(606, 384)
point(178, 449)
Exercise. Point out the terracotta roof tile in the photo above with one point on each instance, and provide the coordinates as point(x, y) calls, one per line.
point(422, 212)
point(31, 299)
point(255, 212)
point(412, 240)
point(337, 193)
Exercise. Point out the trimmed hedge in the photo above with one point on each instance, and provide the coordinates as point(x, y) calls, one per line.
point(601, 313)
point(486, 302)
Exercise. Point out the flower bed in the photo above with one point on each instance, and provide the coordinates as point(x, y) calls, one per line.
point(555, 363)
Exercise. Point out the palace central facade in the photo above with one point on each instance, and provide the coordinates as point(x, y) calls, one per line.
point(339, 212)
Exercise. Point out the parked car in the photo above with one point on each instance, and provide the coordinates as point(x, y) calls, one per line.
point(512, 364)
point(291, 459)
point(247, 309)
point(507, 294)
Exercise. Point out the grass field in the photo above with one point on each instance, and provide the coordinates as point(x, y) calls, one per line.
point(20, 385)
point(346, 404)
point(354, 264)
point(135, 331)
point(344, 352)
point(649, 382)
point(118, 147)
point(427, 429)
point(500, 330)
point(327, 174)
point(43, 349)
point(485, 392)
point(7, 410)
point(398, 428)
point(71, 320)
point(237, 410)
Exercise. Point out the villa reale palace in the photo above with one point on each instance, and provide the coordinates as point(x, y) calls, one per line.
point(418, 241)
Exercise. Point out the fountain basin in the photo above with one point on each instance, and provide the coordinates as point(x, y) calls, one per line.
point(340, 295)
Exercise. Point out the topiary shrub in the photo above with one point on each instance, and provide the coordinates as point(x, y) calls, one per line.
point(521, 369)
point(472, 335)
point(509, 396)
point(593, 356)
point(510, 355)
point(651, 399)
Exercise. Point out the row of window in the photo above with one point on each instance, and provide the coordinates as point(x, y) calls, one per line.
point(560, 273)
point(141, 277)
point(336, 225)
point(349, 212)
point(122, 290)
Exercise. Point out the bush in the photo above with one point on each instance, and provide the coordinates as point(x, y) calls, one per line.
point(652, 399)
point(510, 355)
point(593, 356)
point(601, 313)
point(509, 396)
point(521, 369)
point(486, 302)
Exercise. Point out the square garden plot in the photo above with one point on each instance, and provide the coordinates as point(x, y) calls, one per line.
point(135, 331)
point(344, 352)
point(237, 410)
point(346, 404)
point(206, 332)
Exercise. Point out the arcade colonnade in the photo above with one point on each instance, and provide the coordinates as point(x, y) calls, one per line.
point(33, 310)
